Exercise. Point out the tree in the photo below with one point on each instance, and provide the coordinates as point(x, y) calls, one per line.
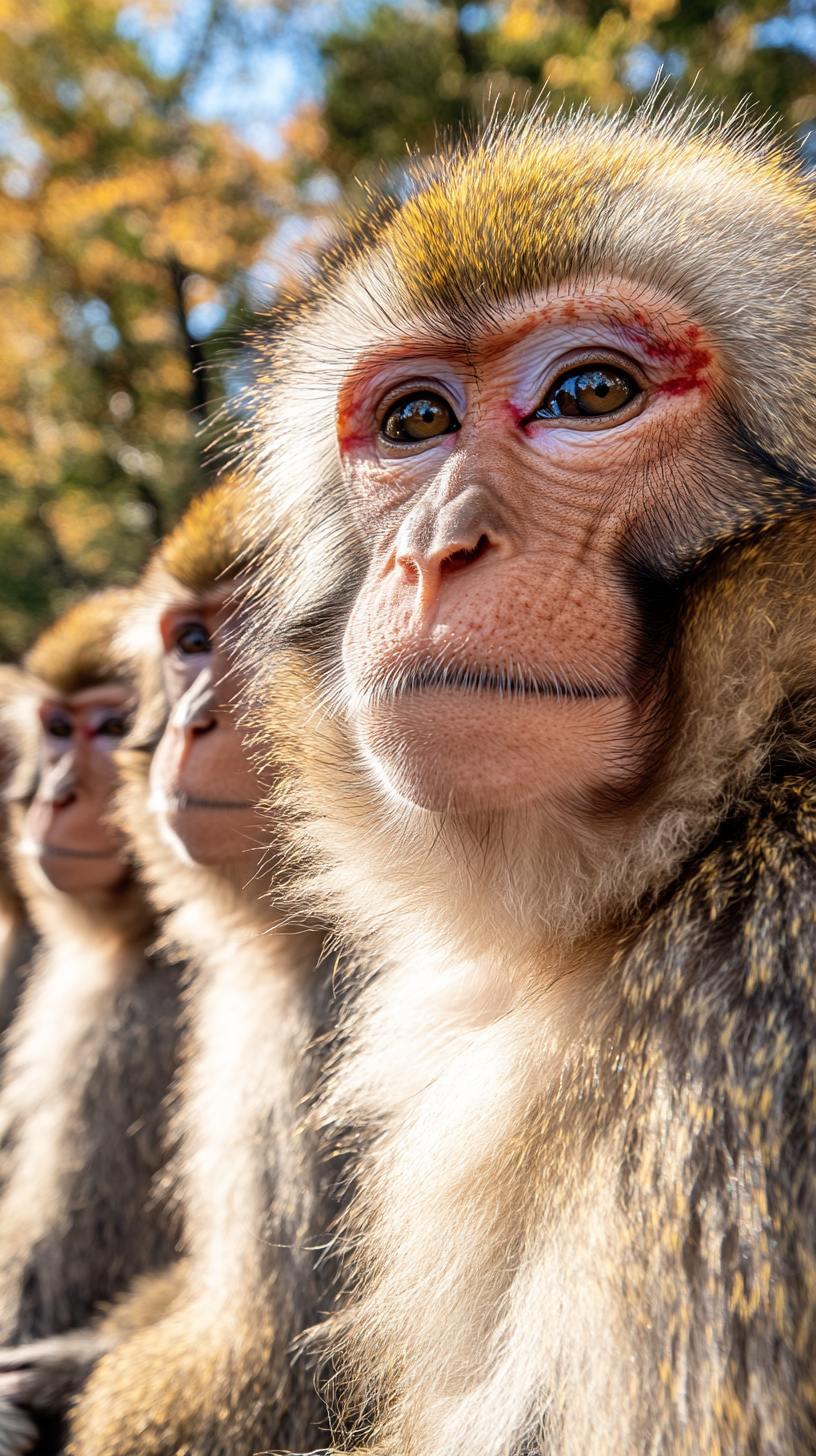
point(405, 69)
point(123, 220)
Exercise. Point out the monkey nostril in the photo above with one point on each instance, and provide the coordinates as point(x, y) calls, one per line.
point(408, 567)
point(465, 555)
point(199, 729)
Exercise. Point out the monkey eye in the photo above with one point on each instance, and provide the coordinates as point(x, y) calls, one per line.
point(58, 726)
point(193, 638)
point(418, 417)
point(588, 391)
point(113, 725)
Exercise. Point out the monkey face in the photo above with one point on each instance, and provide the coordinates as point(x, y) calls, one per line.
point(67, 828)
point(203, 787)
point(496, 652)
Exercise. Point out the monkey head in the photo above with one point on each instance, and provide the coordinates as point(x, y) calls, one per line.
point(534, 414)
point(82, 708)
point(204, 789)
point(18, 700)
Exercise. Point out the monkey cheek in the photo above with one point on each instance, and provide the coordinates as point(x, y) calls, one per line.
point(209, 837)
point(204, 798)
point(473, 753)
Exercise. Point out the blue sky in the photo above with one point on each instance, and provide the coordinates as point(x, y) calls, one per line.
point(253, 87)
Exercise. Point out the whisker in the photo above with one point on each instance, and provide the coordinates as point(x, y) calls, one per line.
point(508, 681)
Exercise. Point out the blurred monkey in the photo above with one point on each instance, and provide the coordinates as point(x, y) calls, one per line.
point(16, 933)
point(216, 1376)
point(92, 1049)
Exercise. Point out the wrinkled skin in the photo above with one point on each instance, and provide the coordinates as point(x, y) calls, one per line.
point(498, 547)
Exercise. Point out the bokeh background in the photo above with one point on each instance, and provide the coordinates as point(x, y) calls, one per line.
point(167, 166)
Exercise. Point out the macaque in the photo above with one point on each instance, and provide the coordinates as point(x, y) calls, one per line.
point(536, 657)
point(216, 1376)
point(92, 1049)
point(16, 935)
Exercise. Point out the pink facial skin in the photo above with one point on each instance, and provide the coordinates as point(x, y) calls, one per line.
point(204, 789)
point(67, 828)
point(496, 551)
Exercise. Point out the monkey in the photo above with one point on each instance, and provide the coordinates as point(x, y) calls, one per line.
point(535, 657)
point(16, 934)
point(215, 1375)
point(92, 1050)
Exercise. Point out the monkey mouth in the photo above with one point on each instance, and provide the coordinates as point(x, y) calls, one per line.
point(506, 682)
point(62, 853)
point(176, 803)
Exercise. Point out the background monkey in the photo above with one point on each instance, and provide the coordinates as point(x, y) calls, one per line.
point(16, 935)
point(216, 1375)
point(540, 455)
point(92, 1048)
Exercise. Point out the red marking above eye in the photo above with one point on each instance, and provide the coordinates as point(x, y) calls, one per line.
point(693, 377)
point(352, 442)
point(684, 353)
point(349, 436)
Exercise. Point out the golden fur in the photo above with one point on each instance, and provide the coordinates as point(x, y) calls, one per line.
point(581, 1072)
point(78, 651)
point(208, 544)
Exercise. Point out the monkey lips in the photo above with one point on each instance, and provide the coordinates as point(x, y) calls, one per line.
point(474, 737)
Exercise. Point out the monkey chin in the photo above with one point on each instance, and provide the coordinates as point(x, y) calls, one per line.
point(469, 753)
point(74, 872)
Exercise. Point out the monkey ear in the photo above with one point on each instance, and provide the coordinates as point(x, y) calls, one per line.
point(20, 694)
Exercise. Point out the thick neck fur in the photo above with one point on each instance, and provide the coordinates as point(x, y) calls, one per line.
point(255, 1005)
point(16, 947)
point(247, 1175)
point(487, 1312)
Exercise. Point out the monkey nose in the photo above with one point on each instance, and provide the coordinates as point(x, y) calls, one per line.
point(442, 538)
point(193, 713)
point(59, 788)
point(429, 569)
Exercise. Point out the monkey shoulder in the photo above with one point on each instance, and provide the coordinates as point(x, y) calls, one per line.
point(738, 929)
point(713, 1041)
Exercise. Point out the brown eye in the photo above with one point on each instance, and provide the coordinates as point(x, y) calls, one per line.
point(418, 417)
point(114, 726)
point(192, 639)
point(588, 391)
point(58, 727)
